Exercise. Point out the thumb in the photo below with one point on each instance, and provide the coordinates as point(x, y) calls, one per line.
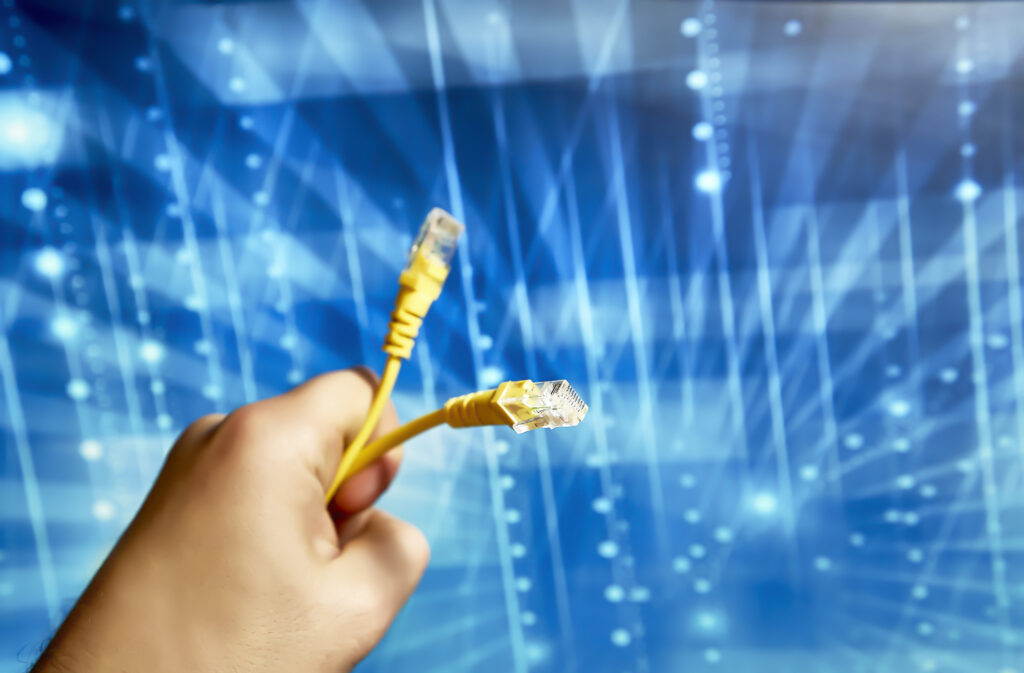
point(378, 570)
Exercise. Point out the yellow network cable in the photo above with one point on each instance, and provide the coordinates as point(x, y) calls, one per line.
point(420, 284)
point(522, 405)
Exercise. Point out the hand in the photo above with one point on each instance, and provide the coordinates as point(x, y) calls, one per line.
point(233, 562)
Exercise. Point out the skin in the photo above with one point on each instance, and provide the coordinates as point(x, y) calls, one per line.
point(233, 563)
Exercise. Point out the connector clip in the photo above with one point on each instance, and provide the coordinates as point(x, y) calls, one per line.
point(436, 241)
point(549, 404)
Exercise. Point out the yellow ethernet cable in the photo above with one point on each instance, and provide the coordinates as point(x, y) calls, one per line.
point(521, 405)
point(420, 284)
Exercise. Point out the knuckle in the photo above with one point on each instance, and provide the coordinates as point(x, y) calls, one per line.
point(412, 544)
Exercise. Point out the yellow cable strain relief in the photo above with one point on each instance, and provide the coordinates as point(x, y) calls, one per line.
point(477, 409)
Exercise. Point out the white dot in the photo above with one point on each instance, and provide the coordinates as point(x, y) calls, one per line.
point(963, 22)
point(964, 66)
point(966, 108)
point(5, 63)
point(892, 516)
point(723, 534)
point(49, 262)
point(712, 656)
point(164, 421)
point(602, 505)
point(925, 629)
point(853, 441)
point(809, 472)
point(968, 150)
point(681, 564)
point(157, 387)
point(143, 64)
point(608, 549)
point(237, 84)
point(528, 618)
point(523, 584)
point(905, 481)
point(639, 594)
point(948, 375)
point(997, 341)
point(613, 593)
point(901, 445)
point(857, 539)
point(518, 550)
point(690, 27)
point(103, 510)
point(823, 564)
point(702, 586)
point(253, 161)
point(708, 181)
point(162, 163)
point(765, 503)
point(34, 199)
point(915, 555)
point(703, 131)
point(899, 408)
point(261, 198)
point(697, 80)
point(225, 45)
point(920, 592)
point(928, 491)
point(78, 389)
point(691, 515)
point(90, 449)
point(151, 351)
point(64, 327)
point(698, 551)
point(687, 480)
point(621, 638)
point(513, 516)
point(792, 28)
point(212, 391)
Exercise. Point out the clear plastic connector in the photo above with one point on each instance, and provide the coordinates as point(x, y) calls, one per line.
point(437, 239)
point(549, 404)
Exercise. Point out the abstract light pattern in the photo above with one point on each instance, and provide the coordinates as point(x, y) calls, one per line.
point(774, 245)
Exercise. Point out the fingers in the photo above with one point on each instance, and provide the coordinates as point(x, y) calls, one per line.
point(326, 413)
point(381, 567)
point(364, 487)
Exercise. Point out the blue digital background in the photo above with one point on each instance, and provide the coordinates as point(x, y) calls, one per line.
point(774, 245)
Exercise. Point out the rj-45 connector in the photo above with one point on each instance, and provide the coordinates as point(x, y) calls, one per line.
point(521, 405)
point(429, 262)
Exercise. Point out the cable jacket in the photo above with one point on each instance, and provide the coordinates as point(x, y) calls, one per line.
point(380, 400)
point(382, 445)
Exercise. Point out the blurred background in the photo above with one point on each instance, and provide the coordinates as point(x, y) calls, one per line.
point(775, 246)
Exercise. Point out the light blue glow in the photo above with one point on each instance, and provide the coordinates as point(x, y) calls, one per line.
point(34, 199)
point(697, 80)
point(709, 181)
point(690, 27)
point(49, 262)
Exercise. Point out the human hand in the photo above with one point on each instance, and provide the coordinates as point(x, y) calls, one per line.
point(233, 563)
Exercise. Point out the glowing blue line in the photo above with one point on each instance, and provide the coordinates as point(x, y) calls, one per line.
point(33, 499)
point(764, 286)
point(827, 387)
point(525, 315)
point(676, 305)
point(636, 330)
point(234, 295)
point(1013, 289)
point(355, 271)
point(519, 661)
